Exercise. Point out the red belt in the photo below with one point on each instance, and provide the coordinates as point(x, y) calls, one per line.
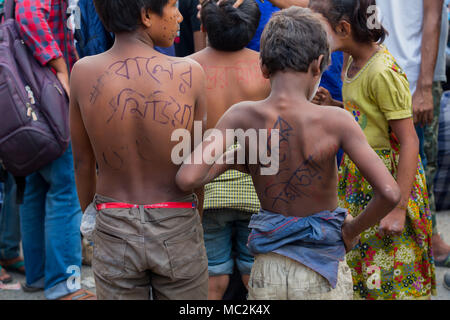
point(171, 205)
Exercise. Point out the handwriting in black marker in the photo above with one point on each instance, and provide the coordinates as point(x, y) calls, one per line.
point(188, 81)
point(131, 98)
point(165, 108)
point(159, 68)
point(284, 129)
point(138, 66)
point(294, 187)
point(123, 68)
point(182, 120)
point(96, 89)
point(115, 162)
point(144, 146)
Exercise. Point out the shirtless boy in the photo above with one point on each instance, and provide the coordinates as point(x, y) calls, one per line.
point(232, 75)
point(125, 103)
point(300, 233)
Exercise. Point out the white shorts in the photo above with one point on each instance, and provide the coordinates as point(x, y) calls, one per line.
point(276, 277)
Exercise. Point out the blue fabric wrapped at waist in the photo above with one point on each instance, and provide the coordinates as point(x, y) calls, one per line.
point(314, 241)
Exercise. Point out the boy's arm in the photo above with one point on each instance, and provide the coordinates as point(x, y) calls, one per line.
point(200, 115)
point(198, 35)
point(283, 4)
point(323, 97)
point(423, 96)
point(385, 189)
point(83, 155)
point(200, 167)
point(62, 72)
point(394, 222)
point(39, 37)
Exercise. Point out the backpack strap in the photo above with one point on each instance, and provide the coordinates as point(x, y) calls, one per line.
point(20, 191)
point(9, 9)
point(64, 18)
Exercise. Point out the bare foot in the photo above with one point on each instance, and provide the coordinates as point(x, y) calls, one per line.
point(441, 250)
point(4, 277)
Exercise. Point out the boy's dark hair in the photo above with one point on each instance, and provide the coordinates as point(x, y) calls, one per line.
point(229, 28)
point(125, 15)
point(357, 13)
point(292, 39)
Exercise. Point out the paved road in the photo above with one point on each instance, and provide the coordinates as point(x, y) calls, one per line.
point(87, 280)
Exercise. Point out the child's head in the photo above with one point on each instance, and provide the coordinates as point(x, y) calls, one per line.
point(160, 19)
point(229, 28)
point(351, 19)
point(294, 39)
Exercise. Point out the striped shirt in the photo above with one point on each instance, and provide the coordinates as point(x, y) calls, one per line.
point(232, 190)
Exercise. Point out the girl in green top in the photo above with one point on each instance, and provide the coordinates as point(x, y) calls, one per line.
point(393, 259)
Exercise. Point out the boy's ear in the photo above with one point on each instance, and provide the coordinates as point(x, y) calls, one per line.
point(146, 18)
point(316, 65)
point(264, 70)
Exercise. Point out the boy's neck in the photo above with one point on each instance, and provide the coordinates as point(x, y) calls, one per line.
point(137, 38)
point(290, 85)
point(225, 53)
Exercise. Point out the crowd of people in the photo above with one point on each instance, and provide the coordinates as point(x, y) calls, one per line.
point(346, 94)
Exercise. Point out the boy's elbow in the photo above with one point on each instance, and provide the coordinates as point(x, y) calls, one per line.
point(392, 194)
point(184, 181)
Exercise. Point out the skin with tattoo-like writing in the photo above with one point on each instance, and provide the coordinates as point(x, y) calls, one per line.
point(125, 104)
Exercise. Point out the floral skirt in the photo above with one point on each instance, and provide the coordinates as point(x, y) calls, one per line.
point(390, 267)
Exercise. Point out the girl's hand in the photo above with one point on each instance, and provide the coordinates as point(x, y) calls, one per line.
point(237, 4)
point(393, 224)
point(323, 97)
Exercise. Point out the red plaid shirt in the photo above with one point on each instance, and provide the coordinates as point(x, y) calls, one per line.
point(41, 25)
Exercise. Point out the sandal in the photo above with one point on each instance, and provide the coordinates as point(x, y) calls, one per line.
point(15, 265)
point(443, 263)
point(27, 288)
point(4, 277)
point(81, 294)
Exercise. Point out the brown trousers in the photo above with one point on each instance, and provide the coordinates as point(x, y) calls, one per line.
point(142, 253)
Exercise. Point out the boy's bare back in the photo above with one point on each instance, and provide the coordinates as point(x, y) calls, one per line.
point(130, 103)
point(231, 77)
point(306, 181)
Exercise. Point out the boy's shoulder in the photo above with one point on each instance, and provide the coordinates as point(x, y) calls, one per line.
point(334, 117)
point(183, 61)
point(188, 60)
point(207, 55)
point(246, 112)
point(85, 62)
